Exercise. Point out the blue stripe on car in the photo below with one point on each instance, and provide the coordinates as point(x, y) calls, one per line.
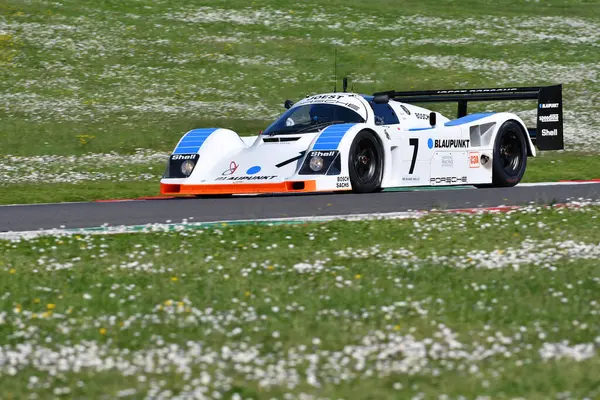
point(421, 129)
point(468, 118)
point(193, 140)
point(331, 137)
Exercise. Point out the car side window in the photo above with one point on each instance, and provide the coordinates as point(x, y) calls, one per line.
point(384, 114)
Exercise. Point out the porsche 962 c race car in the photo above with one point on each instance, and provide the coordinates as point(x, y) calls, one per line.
point(364, 143)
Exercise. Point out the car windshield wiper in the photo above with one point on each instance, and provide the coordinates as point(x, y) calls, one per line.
point(319, 125)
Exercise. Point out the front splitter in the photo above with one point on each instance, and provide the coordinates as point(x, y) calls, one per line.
point(239, 188)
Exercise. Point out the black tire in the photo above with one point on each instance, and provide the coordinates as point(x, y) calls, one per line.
point(365, 163)
point(510, 155)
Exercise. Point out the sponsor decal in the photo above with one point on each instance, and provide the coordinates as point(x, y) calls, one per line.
point(177, 157)
point(343, 182)
point(495, 90)
point(232, 168)
point(422, 116)
point(474, 160)
point(447, 160)
point(326, 97)
point(447, 180)
point(410, 178)
point(448, 143)
point(549, 105)
point(550, 132)
point(322, 153)
point(253, 170)
point(245, 178)
point(341, 99)
point(549, 118)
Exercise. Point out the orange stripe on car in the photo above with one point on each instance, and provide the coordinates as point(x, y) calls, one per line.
point(240, 188)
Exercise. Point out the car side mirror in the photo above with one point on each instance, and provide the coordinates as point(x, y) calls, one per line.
point(288, 104)
point(432, 118)
point(381, 98)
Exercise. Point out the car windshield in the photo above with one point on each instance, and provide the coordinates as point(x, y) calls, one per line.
point(312, 117)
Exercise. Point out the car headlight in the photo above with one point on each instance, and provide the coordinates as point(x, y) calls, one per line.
point(187, 167)
point(316, 163)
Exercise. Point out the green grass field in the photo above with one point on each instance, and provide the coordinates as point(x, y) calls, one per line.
point(93, 96)
point(503, 306)
point(80, 77)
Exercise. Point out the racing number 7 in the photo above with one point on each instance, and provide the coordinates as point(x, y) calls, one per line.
point(413, 142)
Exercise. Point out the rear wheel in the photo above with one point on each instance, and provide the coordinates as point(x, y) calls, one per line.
point(510, 155)
point(365, 163)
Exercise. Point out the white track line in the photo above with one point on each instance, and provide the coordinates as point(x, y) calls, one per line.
point(556, 183)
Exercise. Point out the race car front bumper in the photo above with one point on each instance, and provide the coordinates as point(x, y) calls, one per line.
point(239, 188)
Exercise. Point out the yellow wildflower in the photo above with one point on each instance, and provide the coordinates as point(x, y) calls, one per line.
point(174, 279)
point(12, 271)
point(169, 303)
point(102, 331)
point(17, 308)
point(36, 300)
point(397, 327)
point(247, 294)
point(270, 268)
point(357, 276)
point(51, 306)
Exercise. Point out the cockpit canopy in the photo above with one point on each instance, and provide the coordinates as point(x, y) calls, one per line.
point(312, 118)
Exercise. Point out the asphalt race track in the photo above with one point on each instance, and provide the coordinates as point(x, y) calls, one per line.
point(88, 215)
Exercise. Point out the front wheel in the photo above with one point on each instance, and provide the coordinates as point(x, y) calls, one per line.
point(510, 155)
point(365, 163)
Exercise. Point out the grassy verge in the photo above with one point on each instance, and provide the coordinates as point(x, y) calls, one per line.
point(501, 305)
point(547, 167)
point(123, 77)
point(553, 166)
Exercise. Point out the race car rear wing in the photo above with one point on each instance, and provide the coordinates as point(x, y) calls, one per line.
point(548, 135)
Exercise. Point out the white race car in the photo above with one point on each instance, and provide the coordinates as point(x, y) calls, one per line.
point(346, 141)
